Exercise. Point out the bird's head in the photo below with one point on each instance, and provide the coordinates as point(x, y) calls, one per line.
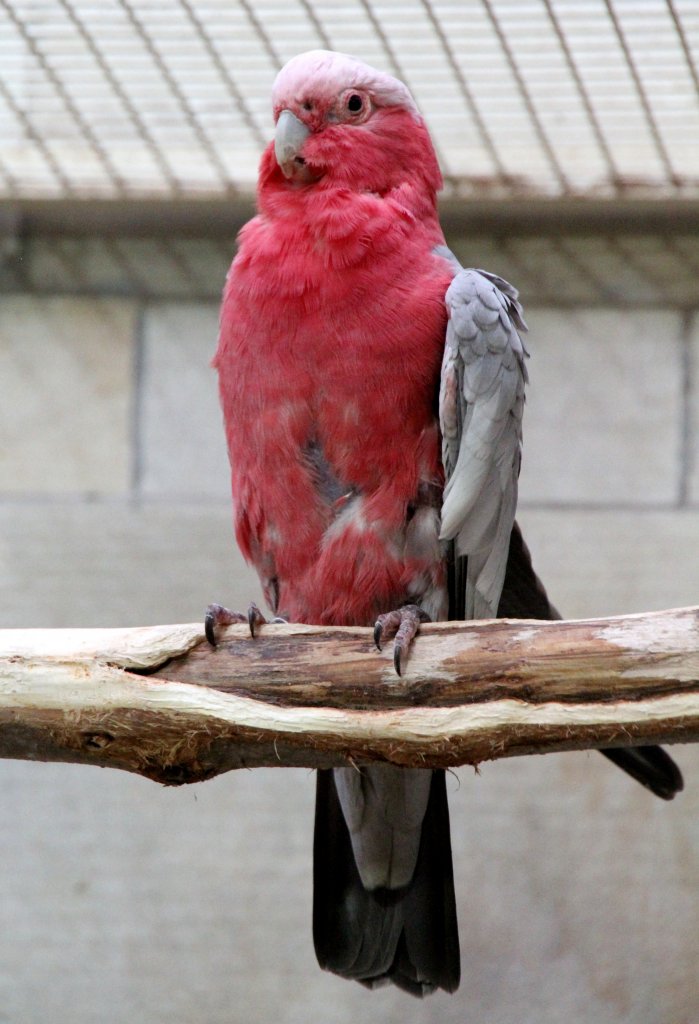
point(341, 123)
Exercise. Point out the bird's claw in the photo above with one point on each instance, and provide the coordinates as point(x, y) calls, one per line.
point(402, 624)
point(397, 655)
point(255, 618)
point(217, 615)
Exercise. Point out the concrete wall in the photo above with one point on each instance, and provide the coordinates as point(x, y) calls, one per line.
point(578, 892)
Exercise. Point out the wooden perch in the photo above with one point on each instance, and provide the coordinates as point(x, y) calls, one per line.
point(159, 701)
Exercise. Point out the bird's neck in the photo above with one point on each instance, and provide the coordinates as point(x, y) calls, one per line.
point(333, 212)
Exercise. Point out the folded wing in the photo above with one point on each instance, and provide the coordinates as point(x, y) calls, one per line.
point(480, 408)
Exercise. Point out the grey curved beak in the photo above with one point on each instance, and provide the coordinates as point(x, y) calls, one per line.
point(289, 138)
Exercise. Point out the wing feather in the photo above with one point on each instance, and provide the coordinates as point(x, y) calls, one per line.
point(480, 408)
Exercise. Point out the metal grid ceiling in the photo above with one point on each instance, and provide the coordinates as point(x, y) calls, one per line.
point(171, 97)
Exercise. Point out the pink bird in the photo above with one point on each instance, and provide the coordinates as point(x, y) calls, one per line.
point(372, 393)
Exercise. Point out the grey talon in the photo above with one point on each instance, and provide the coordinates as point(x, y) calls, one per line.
point(252, 619)
point(209, 631)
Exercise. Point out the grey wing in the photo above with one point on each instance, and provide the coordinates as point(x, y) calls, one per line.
point(480, 409)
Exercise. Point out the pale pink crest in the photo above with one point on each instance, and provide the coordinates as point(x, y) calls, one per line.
point(324, 74)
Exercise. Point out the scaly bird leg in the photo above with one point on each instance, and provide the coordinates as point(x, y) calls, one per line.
point(403, 624)
point(216, 616)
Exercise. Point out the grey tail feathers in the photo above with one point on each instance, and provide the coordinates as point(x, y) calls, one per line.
point(407, 936)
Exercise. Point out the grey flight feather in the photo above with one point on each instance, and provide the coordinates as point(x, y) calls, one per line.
point(384, 807)
point(481, 402)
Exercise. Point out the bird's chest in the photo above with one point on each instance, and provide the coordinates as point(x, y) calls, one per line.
point(351, 383)
point(330, 407)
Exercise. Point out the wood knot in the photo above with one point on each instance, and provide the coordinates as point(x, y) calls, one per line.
point(97, 740)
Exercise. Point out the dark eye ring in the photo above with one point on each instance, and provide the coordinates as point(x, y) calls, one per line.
point(355, 103)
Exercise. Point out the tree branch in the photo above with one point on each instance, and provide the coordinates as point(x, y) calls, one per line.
point(159, 701)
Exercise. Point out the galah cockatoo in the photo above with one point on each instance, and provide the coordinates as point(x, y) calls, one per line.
point(372, 393)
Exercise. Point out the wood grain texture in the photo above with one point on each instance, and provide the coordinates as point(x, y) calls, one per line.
point(159, 701)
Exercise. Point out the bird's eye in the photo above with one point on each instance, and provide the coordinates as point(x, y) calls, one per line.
point(354, 103)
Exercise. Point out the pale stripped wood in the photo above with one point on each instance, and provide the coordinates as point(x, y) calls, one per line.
point(159, 701)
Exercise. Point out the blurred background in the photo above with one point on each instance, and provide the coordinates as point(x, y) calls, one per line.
point(568, 133)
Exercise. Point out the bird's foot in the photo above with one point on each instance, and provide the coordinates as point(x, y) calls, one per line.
point(402, 624)
point(217, 616)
